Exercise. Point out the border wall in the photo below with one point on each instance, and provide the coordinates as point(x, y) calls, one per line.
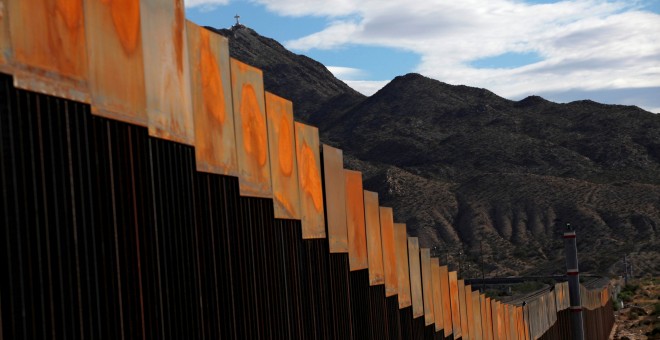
point(151, 188)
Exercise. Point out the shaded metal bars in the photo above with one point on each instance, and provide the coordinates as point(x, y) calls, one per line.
point(360, 313)
point(377, 309)
point(393, 321)
point(340, 296)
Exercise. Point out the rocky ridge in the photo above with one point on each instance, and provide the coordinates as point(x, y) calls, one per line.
point(467, 169)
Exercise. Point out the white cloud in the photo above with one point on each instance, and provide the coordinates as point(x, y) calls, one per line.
point(298, 8)
point(366, 87)
point(205, 4)
point(584, 44)
point(342, 72)
point(333, 36)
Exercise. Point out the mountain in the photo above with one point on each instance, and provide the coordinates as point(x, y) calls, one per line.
point(468, 170)
point(307, 83)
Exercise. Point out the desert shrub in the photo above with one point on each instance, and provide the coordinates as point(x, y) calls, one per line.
point(626, 296)
point(656, 309)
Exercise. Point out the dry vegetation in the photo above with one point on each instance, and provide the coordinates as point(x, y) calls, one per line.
point(640, 317)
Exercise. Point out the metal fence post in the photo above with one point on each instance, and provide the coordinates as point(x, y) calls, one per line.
point(573, 283)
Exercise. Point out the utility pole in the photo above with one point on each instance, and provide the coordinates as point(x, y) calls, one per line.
point(631, 269)
point(573, 274)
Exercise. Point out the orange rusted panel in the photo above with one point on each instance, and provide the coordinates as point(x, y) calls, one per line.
point(48, 47)
point(389, 251)
point(283, 165)
point(454, 298)
point(402, 269)
point(476, 309)
point(469, 306)
point(484, 316)
point(335, 196)
point(215, 142)
point(526, 322)
point(166, 71)
point(438, 317)
point(493, 319)
point(446, 301)
point(309, 179)
point(5, 43)
point(502, 320)
point(250, 129)
point(357, 238)
point(519, 323)
point(504, 311)
point(427, 285)
point(465, 325)
point(489, 319)
point(501, 329)
point(513, 324)
point(415, 277)
point(116, 63)
point(374, 244)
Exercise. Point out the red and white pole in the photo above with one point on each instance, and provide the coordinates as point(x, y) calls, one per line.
point(573, 275)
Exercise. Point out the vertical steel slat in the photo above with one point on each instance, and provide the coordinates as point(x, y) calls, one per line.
point(13, 294)
point(360, 313)
point(393, 317)
point(340, 296)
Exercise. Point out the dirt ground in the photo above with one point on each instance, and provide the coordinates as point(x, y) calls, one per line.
point(640, 317)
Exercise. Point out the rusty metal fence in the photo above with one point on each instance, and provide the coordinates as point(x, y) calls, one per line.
point(151, 188)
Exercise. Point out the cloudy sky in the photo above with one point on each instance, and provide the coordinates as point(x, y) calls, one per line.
point(604, 50)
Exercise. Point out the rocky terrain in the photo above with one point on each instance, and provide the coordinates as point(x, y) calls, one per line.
point(468, 170)
point(640, 317)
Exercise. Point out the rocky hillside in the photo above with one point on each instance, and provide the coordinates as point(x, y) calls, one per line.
point(468, 170)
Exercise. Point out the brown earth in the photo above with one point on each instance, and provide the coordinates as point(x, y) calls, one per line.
point(640, 319)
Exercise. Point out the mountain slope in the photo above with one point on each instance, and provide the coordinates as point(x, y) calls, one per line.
point(307, 83)
point(461, 165)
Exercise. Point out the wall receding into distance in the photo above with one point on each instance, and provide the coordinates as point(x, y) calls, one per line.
point(152, 189)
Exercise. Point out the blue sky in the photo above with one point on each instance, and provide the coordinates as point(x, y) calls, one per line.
point(604, 50)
